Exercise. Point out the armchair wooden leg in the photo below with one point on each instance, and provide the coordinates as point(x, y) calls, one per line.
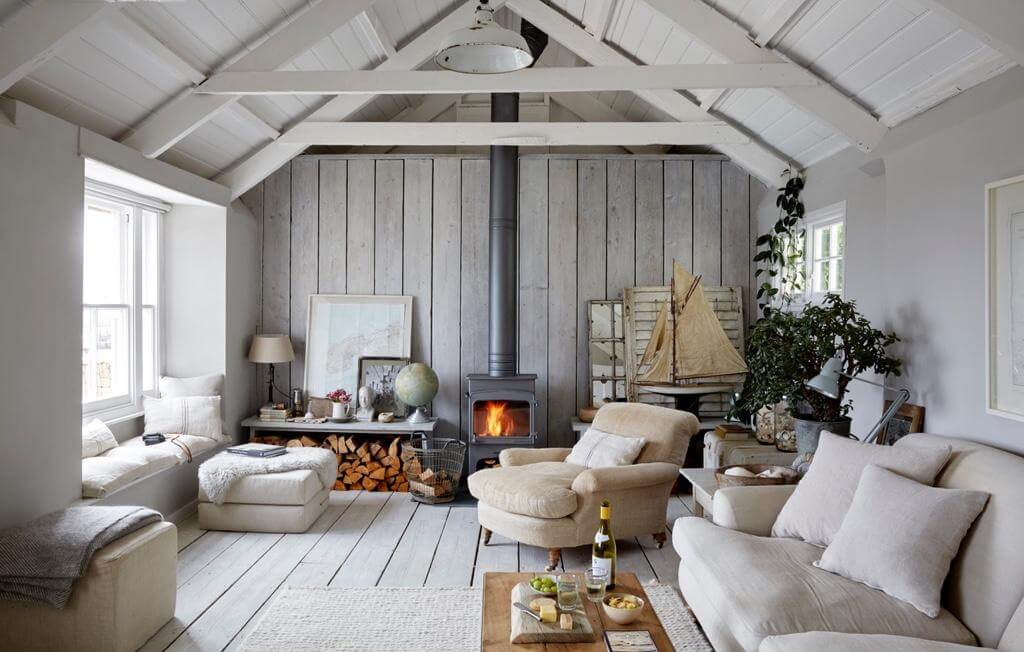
point(487, 536)
point(554, 555)
point(659, 538)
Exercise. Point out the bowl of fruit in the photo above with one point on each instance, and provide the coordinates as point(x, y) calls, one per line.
point(622, 608)
point(544, 584)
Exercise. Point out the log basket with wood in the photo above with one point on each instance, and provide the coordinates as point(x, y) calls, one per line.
point(433, 468)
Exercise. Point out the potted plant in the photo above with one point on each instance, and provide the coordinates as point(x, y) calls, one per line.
point(340, 403)
point(786, 349)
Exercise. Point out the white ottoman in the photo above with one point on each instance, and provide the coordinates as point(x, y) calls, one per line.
point(272, 502)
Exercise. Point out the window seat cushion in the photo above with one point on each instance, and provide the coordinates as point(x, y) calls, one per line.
point(132, 460)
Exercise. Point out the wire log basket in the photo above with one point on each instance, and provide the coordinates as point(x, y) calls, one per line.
point(433, 468)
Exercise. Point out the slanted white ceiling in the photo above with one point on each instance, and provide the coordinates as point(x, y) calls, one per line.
point(894, 58)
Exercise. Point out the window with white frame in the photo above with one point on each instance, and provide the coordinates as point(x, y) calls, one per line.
point(120, 299)
point(819, 250)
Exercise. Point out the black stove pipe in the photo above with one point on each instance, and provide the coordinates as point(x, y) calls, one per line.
point(501, 359)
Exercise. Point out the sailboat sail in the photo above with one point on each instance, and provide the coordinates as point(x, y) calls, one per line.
point(693, 345)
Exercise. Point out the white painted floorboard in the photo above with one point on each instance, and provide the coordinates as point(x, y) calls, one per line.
point(226, 580)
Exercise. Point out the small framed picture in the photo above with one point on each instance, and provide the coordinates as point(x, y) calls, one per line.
point(630, 641)
point(379, 374)
point(909, 418)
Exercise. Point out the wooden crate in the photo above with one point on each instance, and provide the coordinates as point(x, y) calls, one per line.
point(641, 306)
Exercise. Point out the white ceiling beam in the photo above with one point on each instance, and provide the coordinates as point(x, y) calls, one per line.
point(183, 115)
point(376, 34)
point(36, 34)
point(261, 164)
point(758, 158)
point(600, 24)
point(726, 38)
point(531, 80)
point(775, 24)
point(590, 109)
point(431, 107)
point(541, 134)
point(997, 23)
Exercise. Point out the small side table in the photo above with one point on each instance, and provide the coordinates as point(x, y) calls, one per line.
point(725, 452)
point(704, 487)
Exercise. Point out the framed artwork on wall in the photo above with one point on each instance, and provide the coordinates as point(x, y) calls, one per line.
point(1004, 237)
point(379, 375)
point(342, 328)
point(909, 418)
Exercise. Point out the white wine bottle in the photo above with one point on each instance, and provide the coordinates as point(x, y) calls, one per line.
point(603, 555)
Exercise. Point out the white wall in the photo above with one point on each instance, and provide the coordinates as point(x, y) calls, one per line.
point(243, 306)
point(916, 248)
point(41, 188)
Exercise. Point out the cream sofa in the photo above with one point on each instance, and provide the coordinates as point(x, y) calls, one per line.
point(752, 592)
point(538, 499)
point(126, 595)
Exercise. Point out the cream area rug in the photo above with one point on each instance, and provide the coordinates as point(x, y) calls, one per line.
point(403, 619)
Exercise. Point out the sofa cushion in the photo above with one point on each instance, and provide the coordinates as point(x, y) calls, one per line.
point(760, 586)
point(816, 509)
point(543, 490)
point(103, 475)
point(286, 488)
point(817, 641)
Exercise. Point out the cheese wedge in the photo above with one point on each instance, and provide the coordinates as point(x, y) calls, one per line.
point(548, 613)
point(565, 621)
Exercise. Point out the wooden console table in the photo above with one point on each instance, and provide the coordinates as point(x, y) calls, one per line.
point(284, 428)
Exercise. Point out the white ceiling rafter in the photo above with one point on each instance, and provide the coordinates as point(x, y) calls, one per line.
point(184, 114)
point(721, 35)
point(590, 109)
point(602, 21)
point(542, 134)
point(37, 33)
point(997, 23)
point(775, 24)
point(375, 33)
point(756, 156)
point(530, 80)
point(259, 165)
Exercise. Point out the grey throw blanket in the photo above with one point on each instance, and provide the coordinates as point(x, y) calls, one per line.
point(39, 561)
point(217, 473)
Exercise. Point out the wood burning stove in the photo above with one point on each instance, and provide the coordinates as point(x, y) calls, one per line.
point(501, 414)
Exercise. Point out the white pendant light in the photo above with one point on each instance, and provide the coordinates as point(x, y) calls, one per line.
point(484, 48)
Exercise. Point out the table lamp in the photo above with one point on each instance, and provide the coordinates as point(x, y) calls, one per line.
point(827, 384)
point(271, 349)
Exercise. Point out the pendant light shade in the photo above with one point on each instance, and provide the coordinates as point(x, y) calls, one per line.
point(484, 48)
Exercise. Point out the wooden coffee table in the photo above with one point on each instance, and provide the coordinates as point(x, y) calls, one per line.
point(496, 621)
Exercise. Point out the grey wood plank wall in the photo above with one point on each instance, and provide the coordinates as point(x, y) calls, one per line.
point(417, 225)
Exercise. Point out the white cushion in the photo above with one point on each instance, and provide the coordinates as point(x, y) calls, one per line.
point(238, 517)
point(286, 488)
point(900, 536)
point(176, 448)
point(208, 385)
point(153, 459)
point(818, 641)
point(816, 509)
point(754, 587)
point(597, 449)
point(103, 475)
point(96, 438)
point(192, 415)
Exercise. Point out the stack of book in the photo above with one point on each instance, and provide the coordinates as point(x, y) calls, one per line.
point(257, 450)
point(732, 431)
point(274, 413)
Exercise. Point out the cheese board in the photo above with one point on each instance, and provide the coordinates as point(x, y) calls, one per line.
point(526, 629)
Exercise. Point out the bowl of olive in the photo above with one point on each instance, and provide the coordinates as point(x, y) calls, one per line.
point(543, 584)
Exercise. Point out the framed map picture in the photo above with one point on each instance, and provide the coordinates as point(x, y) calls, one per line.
point(341, 328)
point(1004, 230)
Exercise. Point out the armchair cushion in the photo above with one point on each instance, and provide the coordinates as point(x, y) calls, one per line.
point(750, 509)
point(523, 456)
point(615, 478)
point(666, 431)
point(543, 490)
point(597, 449)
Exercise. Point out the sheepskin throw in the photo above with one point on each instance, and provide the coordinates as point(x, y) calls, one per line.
point(217, 474)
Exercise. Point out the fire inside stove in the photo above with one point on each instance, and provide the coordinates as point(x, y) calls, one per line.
point(501, 419)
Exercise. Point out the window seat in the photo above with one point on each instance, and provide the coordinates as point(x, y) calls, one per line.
point(159, 476)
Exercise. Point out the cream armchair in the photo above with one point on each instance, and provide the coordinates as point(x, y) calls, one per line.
point(536, 498)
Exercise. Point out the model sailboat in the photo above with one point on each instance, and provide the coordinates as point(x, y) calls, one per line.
point(688, 343)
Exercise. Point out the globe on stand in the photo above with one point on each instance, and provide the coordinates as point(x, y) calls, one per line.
point(416, 385)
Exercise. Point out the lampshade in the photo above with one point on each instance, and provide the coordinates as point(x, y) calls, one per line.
point(271, 348)
point(827, 382)
point(484, 48)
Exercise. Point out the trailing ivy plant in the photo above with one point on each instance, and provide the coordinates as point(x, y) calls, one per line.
point(782, 250)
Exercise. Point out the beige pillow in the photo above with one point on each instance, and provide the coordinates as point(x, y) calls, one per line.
point(597, 449)
point(816, 509)
point(192, 415)
point(900, 536)
point(96, 438)
point(208, 385)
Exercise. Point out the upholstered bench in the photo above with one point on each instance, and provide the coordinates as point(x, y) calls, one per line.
point(125, 596)
point(271, 502)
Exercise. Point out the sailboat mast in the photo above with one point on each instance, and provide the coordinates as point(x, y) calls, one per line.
point(672, 313)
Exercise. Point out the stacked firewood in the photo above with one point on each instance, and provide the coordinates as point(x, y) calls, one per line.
point(426, 481)
point(362, 464)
